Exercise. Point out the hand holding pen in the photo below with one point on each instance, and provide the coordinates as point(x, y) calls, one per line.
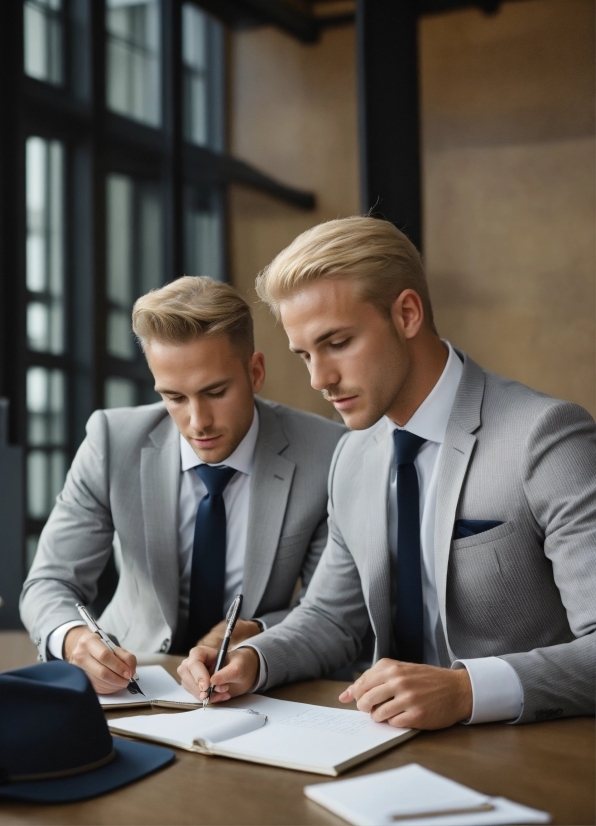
point(105, 670)
point(231, 618)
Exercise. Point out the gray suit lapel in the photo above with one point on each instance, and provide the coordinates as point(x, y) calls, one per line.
point(270, 485)
point(376, 573)
point(456, 454)
point(160, 485)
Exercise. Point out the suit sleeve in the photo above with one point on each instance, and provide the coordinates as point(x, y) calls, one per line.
point(312, 557)
point(75, 543)
point(325, 631)
point(560, 486)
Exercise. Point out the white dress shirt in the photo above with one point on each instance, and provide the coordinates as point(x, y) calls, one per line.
point(496, 688)
point(497, 691)
point(192, 489)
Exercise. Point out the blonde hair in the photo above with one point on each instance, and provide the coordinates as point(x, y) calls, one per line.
point(373, 252)
point(190, 307)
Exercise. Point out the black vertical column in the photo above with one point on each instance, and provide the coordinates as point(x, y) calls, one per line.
point(12, 219)
point(12, 314)
point(85, 207)
point(387, 43)
point(172, 120)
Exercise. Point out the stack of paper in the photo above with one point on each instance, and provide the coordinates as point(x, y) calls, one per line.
point(415, 796)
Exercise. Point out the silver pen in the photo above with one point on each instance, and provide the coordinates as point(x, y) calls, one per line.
point(133, 686)
point(231, 618)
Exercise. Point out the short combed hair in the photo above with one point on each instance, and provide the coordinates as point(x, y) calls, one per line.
point(191, 307)
point(373, 252)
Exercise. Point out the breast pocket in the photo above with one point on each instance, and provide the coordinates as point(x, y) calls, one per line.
point(485, 537)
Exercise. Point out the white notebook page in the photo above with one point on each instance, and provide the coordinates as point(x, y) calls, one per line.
point(183, 729)
point(308, 735)
point(156, 684)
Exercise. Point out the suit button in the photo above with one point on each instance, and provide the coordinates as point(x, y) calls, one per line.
point(164, 646)
point(40, 658)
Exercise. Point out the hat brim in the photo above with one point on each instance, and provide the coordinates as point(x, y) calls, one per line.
point(132, 762)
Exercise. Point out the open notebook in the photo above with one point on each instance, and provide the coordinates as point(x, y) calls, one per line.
point(159, 688)
point(276, 732)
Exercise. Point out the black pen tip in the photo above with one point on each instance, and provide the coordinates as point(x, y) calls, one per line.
point(134, 688)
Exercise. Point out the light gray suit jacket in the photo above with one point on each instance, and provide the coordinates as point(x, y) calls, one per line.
point(126, 478)
point(524, 591)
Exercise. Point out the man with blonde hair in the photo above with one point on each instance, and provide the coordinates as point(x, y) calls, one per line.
point(211, 492)
point(462, 516)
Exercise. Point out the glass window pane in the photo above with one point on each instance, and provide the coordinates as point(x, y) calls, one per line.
point(133, 59)
point(46, 471)
point(121, 342)
point(120, 239)
point(120, 393)
point(45, 244)
point(32, 543)
point(134, 255)
point(150, 239)
point(203, 233)
point(202, 58)
point(43, 40)
point(46, 406)
point(45, 325)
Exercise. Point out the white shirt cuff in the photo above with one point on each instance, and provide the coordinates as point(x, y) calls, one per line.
point(263, 625)
point(55, 642)
point(496, 689)
point(261, 680)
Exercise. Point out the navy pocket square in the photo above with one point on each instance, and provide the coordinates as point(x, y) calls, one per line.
point(472, 527)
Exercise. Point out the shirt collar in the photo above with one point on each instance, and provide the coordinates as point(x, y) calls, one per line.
point(240, 459)
point(430, 420)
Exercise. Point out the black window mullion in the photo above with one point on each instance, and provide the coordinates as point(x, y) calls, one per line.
point(172, 86)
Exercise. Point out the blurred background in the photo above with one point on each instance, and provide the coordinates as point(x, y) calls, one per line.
point(145, 139)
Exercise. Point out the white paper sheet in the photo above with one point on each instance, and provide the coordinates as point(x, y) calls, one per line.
point(210, 725)
point(156, 684)
point(374, 800)
point(308, 736)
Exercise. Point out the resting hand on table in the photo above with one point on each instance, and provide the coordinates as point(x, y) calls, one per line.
point(237, 676)
point(243, 631)
point(407, 695)
point(108, 671)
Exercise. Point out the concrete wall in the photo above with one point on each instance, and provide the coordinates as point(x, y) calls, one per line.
point(509, 217)
point(293, 114)
point(508, 154)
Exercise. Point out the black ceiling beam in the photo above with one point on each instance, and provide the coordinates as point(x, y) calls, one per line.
point(205, 166)
point(438, 6)
point(306, 26)
point(245, 14)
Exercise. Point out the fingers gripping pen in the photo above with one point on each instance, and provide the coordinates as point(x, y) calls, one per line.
point(231, 618)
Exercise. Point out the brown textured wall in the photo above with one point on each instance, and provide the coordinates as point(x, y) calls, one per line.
point(293, 114)
point(508, 154)
point(509, 216)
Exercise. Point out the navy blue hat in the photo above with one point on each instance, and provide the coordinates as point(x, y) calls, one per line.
point(56, 746)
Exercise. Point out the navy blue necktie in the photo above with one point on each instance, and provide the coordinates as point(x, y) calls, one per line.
point(409, 618)
point(208, 571)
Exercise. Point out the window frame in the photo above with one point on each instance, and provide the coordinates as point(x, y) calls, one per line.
point(97, 142)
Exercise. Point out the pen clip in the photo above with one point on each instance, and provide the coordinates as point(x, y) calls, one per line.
point(88, 618)
point(233, 612)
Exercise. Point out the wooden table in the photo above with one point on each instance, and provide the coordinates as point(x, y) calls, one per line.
point(548, 766)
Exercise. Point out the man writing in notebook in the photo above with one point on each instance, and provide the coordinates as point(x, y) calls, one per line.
point(462, 515)
point(211, 492)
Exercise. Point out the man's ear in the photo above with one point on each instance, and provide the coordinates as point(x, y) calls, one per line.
point(256, 371)
point(407, 313)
